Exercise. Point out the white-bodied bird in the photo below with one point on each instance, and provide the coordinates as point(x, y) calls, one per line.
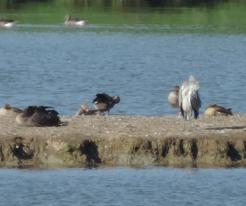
point(189, 99)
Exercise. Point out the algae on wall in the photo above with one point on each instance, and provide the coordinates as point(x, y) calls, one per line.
point(137, 152)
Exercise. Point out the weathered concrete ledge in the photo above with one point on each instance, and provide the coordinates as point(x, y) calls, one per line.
point(126, 141)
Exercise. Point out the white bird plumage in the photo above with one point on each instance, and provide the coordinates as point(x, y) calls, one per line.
point(189, 99)
point(74, 21)
point(6, 23)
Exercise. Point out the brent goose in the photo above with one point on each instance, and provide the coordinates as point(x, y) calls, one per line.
point(104, 102)
point(38, 116)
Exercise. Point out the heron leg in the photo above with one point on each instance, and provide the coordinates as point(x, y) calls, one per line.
point(182, 112)
point(196, 114)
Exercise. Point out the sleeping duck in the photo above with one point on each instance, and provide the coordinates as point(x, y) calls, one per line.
point(38, 116)
point(8, 110)
point(216, 110)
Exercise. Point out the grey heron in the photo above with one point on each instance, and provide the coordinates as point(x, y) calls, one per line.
point(216, 110)
point(104, 102)
point(189, 99)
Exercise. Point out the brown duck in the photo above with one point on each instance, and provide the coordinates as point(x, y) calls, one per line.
point(85, 110)
point(173, 97)
point(9, 110)
point(216, 110)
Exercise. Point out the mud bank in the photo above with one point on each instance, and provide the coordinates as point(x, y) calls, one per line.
point(126, 141)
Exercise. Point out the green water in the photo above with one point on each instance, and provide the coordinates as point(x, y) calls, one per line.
point(228, 16)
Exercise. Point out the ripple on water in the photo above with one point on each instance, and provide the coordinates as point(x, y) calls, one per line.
point(122, 186)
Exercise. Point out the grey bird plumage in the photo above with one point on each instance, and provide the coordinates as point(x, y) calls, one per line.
point(189, 99)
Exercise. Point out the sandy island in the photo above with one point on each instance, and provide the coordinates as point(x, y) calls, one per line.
point(136, 141)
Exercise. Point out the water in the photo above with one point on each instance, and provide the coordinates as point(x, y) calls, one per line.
point(46, 65)
point(153, 186)
point(135, 49)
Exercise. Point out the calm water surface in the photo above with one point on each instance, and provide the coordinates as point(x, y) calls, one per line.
point(153, 186)
point(52, 65)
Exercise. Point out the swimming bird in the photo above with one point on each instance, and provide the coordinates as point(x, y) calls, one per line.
point(173, 97)
point(216, 110)
point(38, 116)
point(85, 110)
point(6, 23)
point(103, 102)
point(189, 99)
point(74, 21)
point(9, 110)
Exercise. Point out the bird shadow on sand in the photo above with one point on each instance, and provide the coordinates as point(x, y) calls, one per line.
point(222, 128)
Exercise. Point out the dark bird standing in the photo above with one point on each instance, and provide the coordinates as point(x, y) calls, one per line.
point(103, 102)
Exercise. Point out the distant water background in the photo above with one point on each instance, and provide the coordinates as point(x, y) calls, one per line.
point(138, 54)
point(110, 187)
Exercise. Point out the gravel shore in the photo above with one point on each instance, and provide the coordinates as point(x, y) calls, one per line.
point(125, 141)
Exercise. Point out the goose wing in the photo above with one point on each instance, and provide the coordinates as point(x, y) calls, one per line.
point(102, 98)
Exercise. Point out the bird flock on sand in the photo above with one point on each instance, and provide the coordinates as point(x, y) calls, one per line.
point(46, 116)
point(185, 97)
point(69, 21)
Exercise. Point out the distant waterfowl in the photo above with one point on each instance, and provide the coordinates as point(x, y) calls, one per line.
point(74, 21)
point(38, 116)
point(9, 110)
point(103, 102)
point(189, 100)
point(85, 110)
point(6, 23)
point(173, 97)
point(216, 110)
